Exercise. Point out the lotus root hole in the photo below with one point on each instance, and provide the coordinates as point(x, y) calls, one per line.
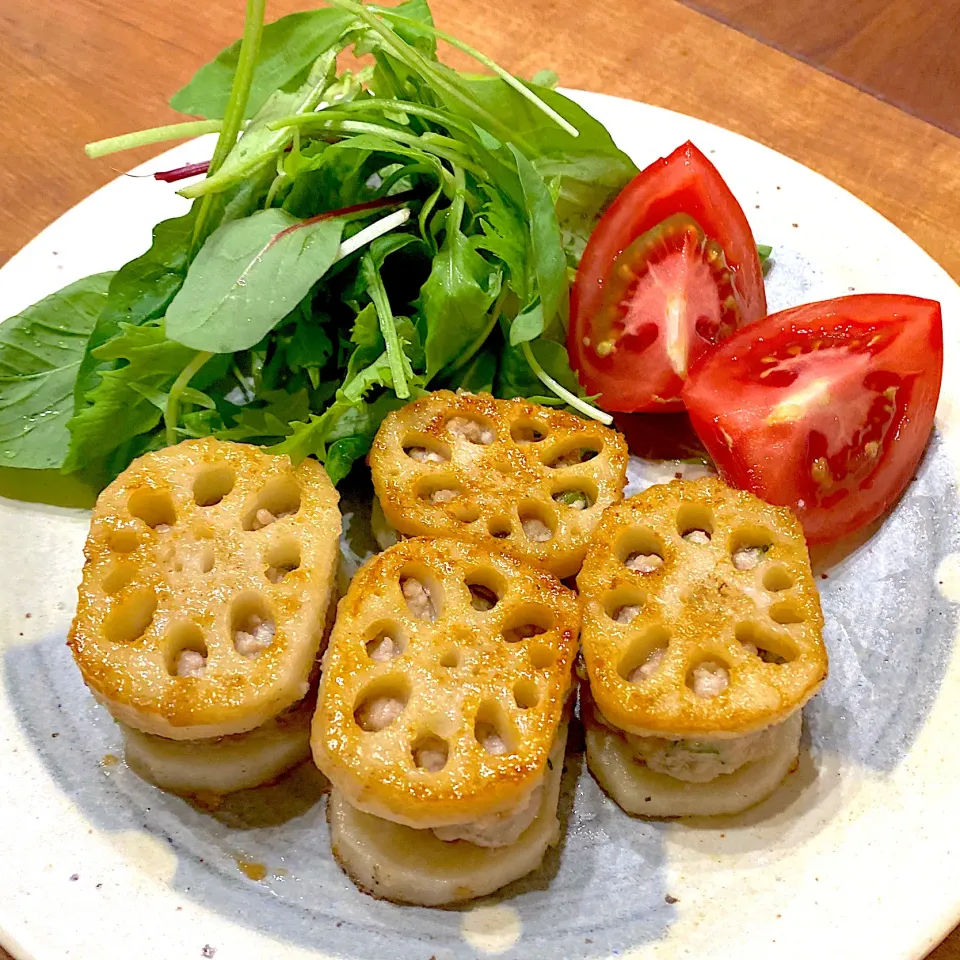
point(542, 657)
point(580, 496)
point(538, 523)
point(130, 617)
point(426, 450)
point(123, 541)
point(695, 523)
point(786, 613)
point(765, 644)
point(381, 703)
point(437, 491)
point(528, 431)
point(118, 576)
point(386, 642)
point(430, 753)
point(624, 605)
point(499, 527)
point(282, 558)
point(640, 550)
point(526, 621)
point(207, 558)
point(186, 650)
point(525, 694)
point(708, 679)
point(252, 625)
point(154, 507)
point(486, 588)
point(213, 483)
point(749, 546)
point(570, 456)
point(451, 659)
point(472, 429)
point(776, 578)
point(422, 593)
point(279, 498)
point(645, 654)
point(492, 729)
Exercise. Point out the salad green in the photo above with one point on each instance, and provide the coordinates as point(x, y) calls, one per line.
point(360, 238)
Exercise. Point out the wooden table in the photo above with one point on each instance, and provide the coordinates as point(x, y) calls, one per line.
point(78, 70)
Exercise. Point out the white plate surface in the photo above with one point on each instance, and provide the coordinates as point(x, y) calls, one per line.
point(856, 856)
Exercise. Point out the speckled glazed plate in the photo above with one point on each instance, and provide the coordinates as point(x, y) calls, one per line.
point(855, 856)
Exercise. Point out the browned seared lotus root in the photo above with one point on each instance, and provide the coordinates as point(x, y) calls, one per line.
point(444, 683)
point(700, 613)
point(209, 571)
point(470, 467)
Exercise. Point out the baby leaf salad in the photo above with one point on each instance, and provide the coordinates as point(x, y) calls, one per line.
point(359, 238)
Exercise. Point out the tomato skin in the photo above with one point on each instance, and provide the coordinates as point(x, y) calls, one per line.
point(869, 366)
point(685, 182)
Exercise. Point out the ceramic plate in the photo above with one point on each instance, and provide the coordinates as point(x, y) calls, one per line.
point(855, 856)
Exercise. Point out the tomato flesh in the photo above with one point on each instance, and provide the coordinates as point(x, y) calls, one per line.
point(671, 269)
point(825, 408)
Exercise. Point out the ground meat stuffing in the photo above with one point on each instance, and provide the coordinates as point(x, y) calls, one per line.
point(423, 455)
point(699, 761)
point(626, 613)
point(418, 599)
point(162, 527)
point(191, 664)
point(649, 667)
point(471, 430)
point(746, 558)
point(250, 643)
point(536, 530)
point(498, 829)
point(442, 496)
point(378, 713)
point(490, 740)
point(710, 679)
point(699, 537)
point(431, 755)
point(383, 648)
point(644, 562)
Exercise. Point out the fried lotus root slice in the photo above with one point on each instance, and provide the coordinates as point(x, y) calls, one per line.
point(209, 573)
point(397, 863)
point(225, 764)
point(444, 683)
point(470, 467)
point(700, 613)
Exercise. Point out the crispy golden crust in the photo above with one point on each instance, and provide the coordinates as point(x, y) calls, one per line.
point(745, 601)
point(486, 487)
point(178, 559)
point(465, 677)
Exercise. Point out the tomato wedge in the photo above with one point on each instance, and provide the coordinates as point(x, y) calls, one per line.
point(825, 408)
point(670, 270)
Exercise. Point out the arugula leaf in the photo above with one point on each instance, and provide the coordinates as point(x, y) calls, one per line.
point(270, 418)
point(287, 48)
point(40, 352)
point(346, 428)
point(454, 301)
point(247, 277)
point(140, 291)
point(516, 379)
point(547, 256)
point(123, 404)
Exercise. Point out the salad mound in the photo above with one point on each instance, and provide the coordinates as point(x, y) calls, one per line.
point(360, 236)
